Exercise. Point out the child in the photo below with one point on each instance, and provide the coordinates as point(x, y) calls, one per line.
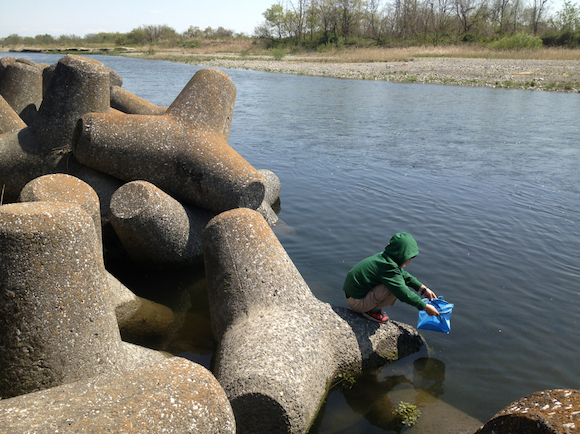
point(379, 280)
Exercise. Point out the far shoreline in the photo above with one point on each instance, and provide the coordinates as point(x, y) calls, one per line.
point(540, 74)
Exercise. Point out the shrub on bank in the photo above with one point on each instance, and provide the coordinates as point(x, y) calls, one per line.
point(518, 41)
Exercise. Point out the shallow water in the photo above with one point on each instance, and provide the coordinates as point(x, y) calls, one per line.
point(486, 180)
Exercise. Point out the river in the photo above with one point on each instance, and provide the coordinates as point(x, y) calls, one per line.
point(486, 180)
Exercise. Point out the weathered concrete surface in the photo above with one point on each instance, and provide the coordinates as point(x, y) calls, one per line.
point(21, 161)
point(104, 185)
point(206, 102)
point(176, 396)
point(9, 119)
point(129, 103)
point(64, 188)
point(280, 347)
point(273, 189)
point(79, 85)
point(549, 412)
point(184, 153)
point(155, 229)
point(57, 324)
point(21, 87)
point(4, 63)
point(56, 321)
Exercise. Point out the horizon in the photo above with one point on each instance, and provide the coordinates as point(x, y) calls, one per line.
point(63, 17)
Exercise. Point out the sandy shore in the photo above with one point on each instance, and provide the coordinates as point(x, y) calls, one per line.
point(553, 75)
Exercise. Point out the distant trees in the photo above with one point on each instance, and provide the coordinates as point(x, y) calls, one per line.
point(394, 22)
point(142, 35)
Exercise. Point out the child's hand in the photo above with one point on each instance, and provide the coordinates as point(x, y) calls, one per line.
point(431, 311)
point(429, 294)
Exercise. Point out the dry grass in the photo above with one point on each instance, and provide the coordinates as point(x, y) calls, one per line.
point(220, 48)
point(374, 54)
point(377, 54)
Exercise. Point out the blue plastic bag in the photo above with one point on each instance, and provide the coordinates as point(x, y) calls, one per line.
point(441, 323)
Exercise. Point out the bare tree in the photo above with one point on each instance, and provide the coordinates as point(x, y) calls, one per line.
point(298, 16)
point(537, 11)
point(440, 18)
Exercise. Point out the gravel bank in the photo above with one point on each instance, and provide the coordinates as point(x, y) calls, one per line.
point(554, 75)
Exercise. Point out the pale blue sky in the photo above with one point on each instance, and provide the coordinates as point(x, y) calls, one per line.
point(65, 17)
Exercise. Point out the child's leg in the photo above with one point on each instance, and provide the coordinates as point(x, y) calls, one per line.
point(378, 298)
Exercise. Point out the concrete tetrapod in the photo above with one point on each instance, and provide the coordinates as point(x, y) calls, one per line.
point(184, 152)
point(79, 85)
point(273, 188)
point(57, 324)
point(9, 119)
point(21, 87)
point(280, 347)
point(155, 229)
point(176, 396)
point(554, 411)
point(64, 188)
point(129, 103)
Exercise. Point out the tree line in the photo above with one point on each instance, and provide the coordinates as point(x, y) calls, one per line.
point(316, 24)
point(418, 22)
point(140, 36)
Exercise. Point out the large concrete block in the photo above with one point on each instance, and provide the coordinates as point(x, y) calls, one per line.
point(129, 103)
point(9, 119)
point(21, 161)
point(64, 188)
point(547, 412)
point(184, 153)
point(56, 321)
point(57, 324)
point(272, 194)
point(79, 85)
point(4, 63)
point(279, 346)
point(176, 396)
point(206, 103)
point(155, 229)
point(21, 87)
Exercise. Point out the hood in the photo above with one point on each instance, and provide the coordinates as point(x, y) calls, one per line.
point(401, 247)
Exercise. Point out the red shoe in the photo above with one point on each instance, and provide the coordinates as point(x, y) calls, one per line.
point(376, 316)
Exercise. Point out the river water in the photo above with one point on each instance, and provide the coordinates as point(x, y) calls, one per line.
point(486, 180)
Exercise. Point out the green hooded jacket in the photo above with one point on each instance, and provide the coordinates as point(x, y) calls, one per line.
point(385, 267)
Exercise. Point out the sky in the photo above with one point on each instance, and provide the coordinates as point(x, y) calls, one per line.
point(80, 17)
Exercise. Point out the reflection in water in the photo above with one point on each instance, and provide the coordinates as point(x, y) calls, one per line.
point(370, 396)
point(378, 392)
point(429, 375)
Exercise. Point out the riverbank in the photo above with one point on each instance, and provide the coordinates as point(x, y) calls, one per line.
point(548, 69)
point(533, 74)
